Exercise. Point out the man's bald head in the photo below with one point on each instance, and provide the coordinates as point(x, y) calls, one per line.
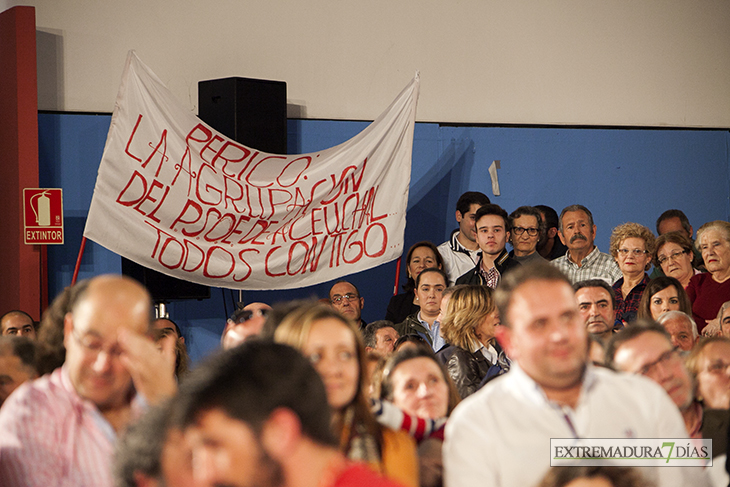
point(109, 305)
point(109, 293)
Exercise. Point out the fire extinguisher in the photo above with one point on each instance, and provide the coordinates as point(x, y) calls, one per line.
point(43, 213)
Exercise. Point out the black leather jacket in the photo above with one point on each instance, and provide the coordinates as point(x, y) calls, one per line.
point(504, 263)
point(469, 370)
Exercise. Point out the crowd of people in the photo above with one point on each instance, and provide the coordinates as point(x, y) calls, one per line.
point(484, 357)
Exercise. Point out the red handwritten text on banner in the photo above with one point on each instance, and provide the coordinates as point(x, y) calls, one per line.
point(176, 196)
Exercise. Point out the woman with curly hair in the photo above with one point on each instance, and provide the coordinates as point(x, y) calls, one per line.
point(334, 346)
point(51, 350)
point(632, 246)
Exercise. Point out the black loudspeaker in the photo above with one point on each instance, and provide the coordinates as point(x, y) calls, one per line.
point(250, 111)
point(162, 287)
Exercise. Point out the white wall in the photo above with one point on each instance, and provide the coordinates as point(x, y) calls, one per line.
point(597, 62)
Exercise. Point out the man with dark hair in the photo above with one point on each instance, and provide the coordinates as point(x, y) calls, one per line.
point(168, 330)
point(259, 414)
point(67, 421)
point(346, 299)
point(380, 336)
point(500, 435)
point(19, 323)
point(596, 304)
point(583, 260)
point(550, 245)
point(153, 453)
point(645, 348)
point(244, 323)
point(674, 221)
point(461, 252)
point(17, 364)
point(168, 327)
point(492, 224)
point(526, 231)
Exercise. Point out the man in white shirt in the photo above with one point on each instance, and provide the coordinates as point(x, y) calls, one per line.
point(500, 436)
point(461, 252)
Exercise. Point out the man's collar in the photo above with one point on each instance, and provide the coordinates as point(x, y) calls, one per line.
point(504, 255)
point(456, 245)
point(588, 258)
point(532, 391)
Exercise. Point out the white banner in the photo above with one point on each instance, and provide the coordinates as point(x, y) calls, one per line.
point(174, 195)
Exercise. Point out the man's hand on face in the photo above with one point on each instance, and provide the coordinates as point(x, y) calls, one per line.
point(152, 369)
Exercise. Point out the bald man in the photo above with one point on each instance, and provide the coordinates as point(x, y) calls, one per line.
point(67, 421)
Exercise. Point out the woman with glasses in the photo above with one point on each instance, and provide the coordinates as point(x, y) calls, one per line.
point(632, 246)
point(709, 363)
point(674, 255)
point(527, 229)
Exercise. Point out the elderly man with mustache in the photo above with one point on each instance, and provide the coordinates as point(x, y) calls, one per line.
point(583, 260)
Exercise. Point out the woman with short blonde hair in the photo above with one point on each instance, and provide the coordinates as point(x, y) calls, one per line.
point(469, 328)
point(632, 246)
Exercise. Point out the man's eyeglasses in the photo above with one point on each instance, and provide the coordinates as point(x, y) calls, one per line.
point(530, 231)
point(673, 256)
point(337, 298)
point(247, 314)
point(94, 345)
point(663, 359)
point(635, 252)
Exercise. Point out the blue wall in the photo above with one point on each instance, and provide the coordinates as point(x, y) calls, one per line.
point(620, 175)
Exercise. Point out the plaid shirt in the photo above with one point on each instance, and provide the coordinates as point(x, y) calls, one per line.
point(49, 436)
point(595, 265)
point(490, 277)
point(626, 308)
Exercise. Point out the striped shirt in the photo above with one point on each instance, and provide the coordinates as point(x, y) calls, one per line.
point(49, 436)
point(595, 265)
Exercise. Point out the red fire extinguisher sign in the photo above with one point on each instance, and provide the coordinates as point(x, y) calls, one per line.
point(43, 216)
